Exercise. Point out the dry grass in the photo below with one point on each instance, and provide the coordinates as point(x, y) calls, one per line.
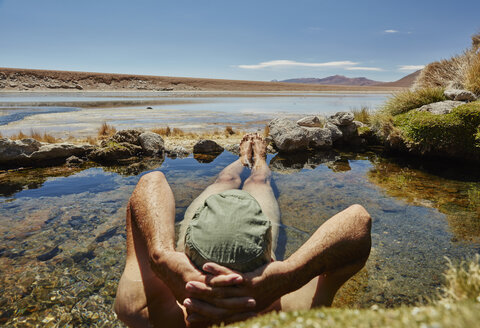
point(179, 133)
point(462, 281)
point(45, 137)
point(459, 72)
point(363, 114)
point(472, 78)
point(266, 131)
point(106, 130)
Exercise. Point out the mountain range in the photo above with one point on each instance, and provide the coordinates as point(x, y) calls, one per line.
point(406, 81)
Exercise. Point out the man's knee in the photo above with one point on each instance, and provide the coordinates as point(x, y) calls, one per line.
point(258, 179)
point(152, 177)
point(362, 215)
point(226, 178)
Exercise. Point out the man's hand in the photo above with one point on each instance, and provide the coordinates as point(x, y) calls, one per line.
point(218, 301)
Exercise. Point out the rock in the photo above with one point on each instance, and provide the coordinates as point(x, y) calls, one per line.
point(291, 163)
point(234, 149)
point(460, 95)
point(73, 160)
point(310, 121)
point(287, 136)
point(359, 124)
point(14, 153)
point(205, 158)
point(341, 118)
point(128, 136)
point(319, 138)
point(207, 147)
point(106, 235)
point(113, 151)
point(177, 151)
point(149, 107)
point(348, 131)
point(336, 132)
point(441, 107)
point(49, 255)
point(152, 143)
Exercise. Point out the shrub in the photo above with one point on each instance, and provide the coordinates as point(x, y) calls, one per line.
point(454, 132)
point(404, 101)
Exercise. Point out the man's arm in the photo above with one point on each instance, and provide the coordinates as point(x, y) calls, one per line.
point(341, 241)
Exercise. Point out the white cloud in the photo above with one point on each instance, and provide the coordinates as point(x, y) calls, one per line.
point(292, 63)
point(410, 67)
point(363, 68)
point(391, 31)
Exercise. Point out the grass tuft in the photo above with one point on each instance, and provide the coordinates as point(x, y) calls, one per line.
point(362, 115)
point(462, 281)
point(229, 130)
point(45, 137)
point(106, 130)
point(472, 78)
point(404, 101)
point(266, 131)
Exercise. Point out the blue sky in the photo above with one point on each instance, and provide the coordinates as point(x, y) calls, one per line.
point(249, 40)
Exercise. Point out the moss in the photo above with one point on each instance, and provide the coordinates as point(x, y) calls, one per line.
point(465, 314)
point(454, 134)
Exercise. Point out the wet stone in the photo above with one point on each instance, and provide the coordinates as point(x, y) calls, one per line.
point(106, 235)
point(76, 221)
point(50, 254)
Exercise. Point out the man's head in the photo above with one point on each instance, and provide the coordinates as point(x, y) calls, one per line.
point(230, 229)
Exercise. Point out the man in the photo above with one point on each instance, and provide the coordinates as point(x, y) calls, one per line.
point(162, 287)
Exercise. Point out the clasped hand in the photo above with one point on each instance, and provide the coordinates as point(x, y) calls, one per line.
point(228, 296)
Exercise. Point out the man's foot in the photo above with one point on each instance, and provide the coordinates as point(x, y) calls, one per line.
point(259, 151)
point(246, 150)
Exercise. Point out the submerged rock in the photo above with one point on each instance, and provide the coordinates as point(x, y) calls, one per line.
point(49, 255)
point(177, 151)
point(205, 146)
point(441, 107)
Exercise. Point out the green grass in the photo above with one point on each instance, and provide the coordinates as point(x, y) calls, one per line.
point(405, 101)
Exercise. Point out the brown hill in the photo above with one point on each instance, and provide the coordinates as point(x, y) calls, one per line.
point(404, 82)
point(15, 79)
point(335, 80)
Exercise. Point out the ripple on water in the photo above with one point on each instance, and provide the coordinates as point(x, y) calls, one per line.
point(63, 230)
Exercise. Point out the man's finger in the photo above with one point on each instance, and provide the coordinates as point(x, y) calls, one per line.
point(216, 269)
point(243, 303)
point(224, 280)
point(240, 317)
point(206, 310)
point(202, 291)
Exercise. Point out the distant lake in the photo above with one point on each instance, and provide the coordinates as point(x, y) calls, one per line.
point(80, 114)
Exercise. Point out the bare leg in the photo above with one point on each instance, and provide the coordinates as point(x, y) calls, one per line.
point(228, 179)
point(321, 290)
point(143, 298)
point(258, 185)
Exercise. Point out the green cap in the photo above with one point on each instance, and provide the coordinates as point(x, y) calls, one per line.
point(230, 229)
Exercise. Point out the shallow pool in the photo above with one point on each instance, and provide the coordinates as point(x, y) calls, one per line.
point(62, 231)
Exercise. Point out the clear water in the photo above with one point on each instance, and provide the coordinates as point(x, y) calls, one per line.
point(63, 232)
